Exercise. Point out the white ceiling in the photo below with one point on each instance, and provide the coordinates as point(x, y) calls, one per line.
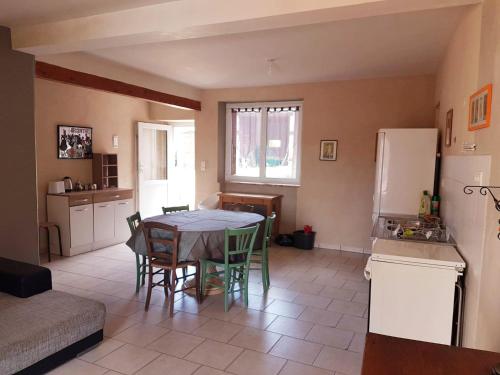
point(29, 12)
point(391, 45)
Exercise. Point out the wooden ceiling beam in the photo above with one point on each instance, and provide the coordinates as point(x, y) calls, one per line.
point(59, 74)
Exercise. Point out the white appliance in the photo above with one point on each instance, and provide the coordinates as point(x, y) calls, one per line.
point(412, 291)
point(406, 163)
point(56, 187)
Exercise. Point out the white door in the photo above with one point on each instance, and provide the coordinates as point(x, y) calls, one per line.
point(123, 209)
point(155, 155)
point(104, 221)
point(181, 181)
point(82, 225)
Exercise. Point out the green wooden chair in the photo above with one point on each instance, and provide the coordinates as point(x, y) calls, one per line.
point(261, 256)
point(170, 210)
point(238, 245)
point(140, 260)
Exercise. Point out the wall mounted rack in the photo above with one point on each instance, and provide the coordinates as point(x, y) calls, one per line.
point(485, 190)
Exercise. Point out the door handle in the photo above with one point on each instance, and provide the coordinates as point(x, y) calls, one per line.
point(123, 203)
point(107, 205)
point(82, 209)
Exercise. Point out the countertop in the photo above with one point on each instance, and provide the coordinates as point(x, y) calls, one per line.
point(86, 192)
point(386, 355)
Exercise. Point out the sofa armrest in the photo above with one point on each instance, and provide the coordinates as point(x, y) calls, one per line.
point(23, 279)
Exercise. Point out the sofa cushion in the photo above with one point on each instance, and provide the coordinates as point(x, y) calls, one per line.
point(23, 279)
point(34, 328)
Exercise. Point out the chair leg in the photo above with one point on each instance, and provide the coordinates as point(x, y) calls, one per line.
point(226, 289)
point(197, 282)
point(245, 285)
point(184, 272)
point(203, 278)
point(143, 270)
point(48, 243)
point(138, 269)
point(265, 270)
point(173, 281)
point(150, 287)
point(166, 274)
point(233, 279)
point(59, 238)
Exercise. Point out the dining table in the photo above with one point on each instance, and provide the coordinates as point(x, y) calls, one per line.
point(201, 231)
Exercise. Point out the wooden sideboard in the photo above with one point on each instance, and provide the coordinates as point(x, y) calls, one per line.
point(90, 220)
point(272, 203)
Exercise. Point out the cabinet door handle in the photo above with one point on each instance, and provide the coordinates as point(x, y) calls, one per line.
point(106, 205)
point(123, 203)
point(82, 209)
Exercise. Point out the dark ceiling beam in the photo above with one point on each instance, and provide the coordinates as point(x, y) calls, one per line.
point(59, 74)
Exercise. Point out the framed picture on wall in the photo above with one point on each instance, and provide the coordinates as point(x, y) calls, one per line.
point(449, 128)
point(328, 150)
point(74, 142)
point(480, 108)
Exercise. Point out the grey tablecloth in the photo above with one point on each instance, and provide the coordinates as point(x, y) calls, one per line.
point(202, 231)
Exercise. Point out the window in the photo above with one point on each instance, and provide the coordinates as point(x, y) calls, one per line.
point(263, 142)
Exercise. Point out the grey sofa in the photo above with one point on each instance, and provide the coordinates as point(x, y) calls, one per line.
point(43, 330)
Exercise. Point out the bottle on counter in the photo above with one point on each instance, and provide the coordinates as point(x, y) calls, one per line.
point(435, 205)
point(425, 204)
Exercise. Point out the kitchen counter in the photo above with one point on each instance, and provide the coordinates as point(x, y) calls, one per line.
point(386, 355)
point(93, 192)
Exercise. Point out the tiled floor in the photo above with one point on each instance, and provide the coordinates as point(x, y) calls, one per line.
point(311, 322)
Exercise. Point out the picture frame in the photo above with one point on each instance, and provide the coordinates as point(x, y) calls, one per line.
point(449, 128)
point(328, 150)
point(480, 108)
point(74, 142)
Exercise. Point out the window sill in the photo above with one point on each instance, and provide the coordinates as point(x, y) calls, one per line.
point(262, 183)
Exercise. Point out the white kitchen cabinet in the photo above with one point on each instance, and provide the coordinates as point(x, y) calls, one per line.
point(104, 221)
point(90, 220)
point(123, 209)
point(81, 222)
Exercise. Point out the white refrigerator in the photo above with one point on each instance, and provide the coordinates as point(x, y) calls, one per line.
point(405, 167)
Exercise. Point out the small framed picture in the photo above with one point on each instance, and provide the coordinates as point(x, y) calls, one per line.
point(74, 142)
point(480, 108)
point(449, 128)
point(328, 150)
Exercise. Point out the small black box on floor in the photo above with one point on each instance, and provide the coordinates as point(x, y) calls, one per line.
point(23, 279)
point(303, 240)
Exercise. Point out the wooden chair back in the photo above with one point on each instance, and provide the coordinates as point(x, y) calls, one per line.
point(239, 242)
point(164, 235)
point(268, 230)
point(170, 210)
point(134, 221)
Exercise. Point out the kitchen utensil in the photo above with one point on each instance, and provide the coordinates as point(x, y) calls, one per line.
point(68, 184)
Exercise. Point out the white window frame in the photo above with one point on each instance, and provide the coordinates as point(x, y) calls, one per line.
point(262, 179)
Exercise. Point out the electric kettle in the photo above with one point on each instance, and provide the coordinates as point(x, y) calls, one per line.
point(68, 184)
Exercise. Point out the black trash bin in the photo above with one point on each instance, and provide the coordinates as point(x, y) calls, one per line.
point(303, 240)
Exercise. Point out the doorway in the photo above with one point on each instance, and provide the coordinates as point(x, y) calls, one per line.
point(165, 166)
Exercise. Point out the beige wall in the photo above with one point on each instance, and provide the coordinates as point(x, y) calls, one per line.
point(471, 61)
point(108, 115)
point(18, 223)
point(163, 112)
point(334, 197)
